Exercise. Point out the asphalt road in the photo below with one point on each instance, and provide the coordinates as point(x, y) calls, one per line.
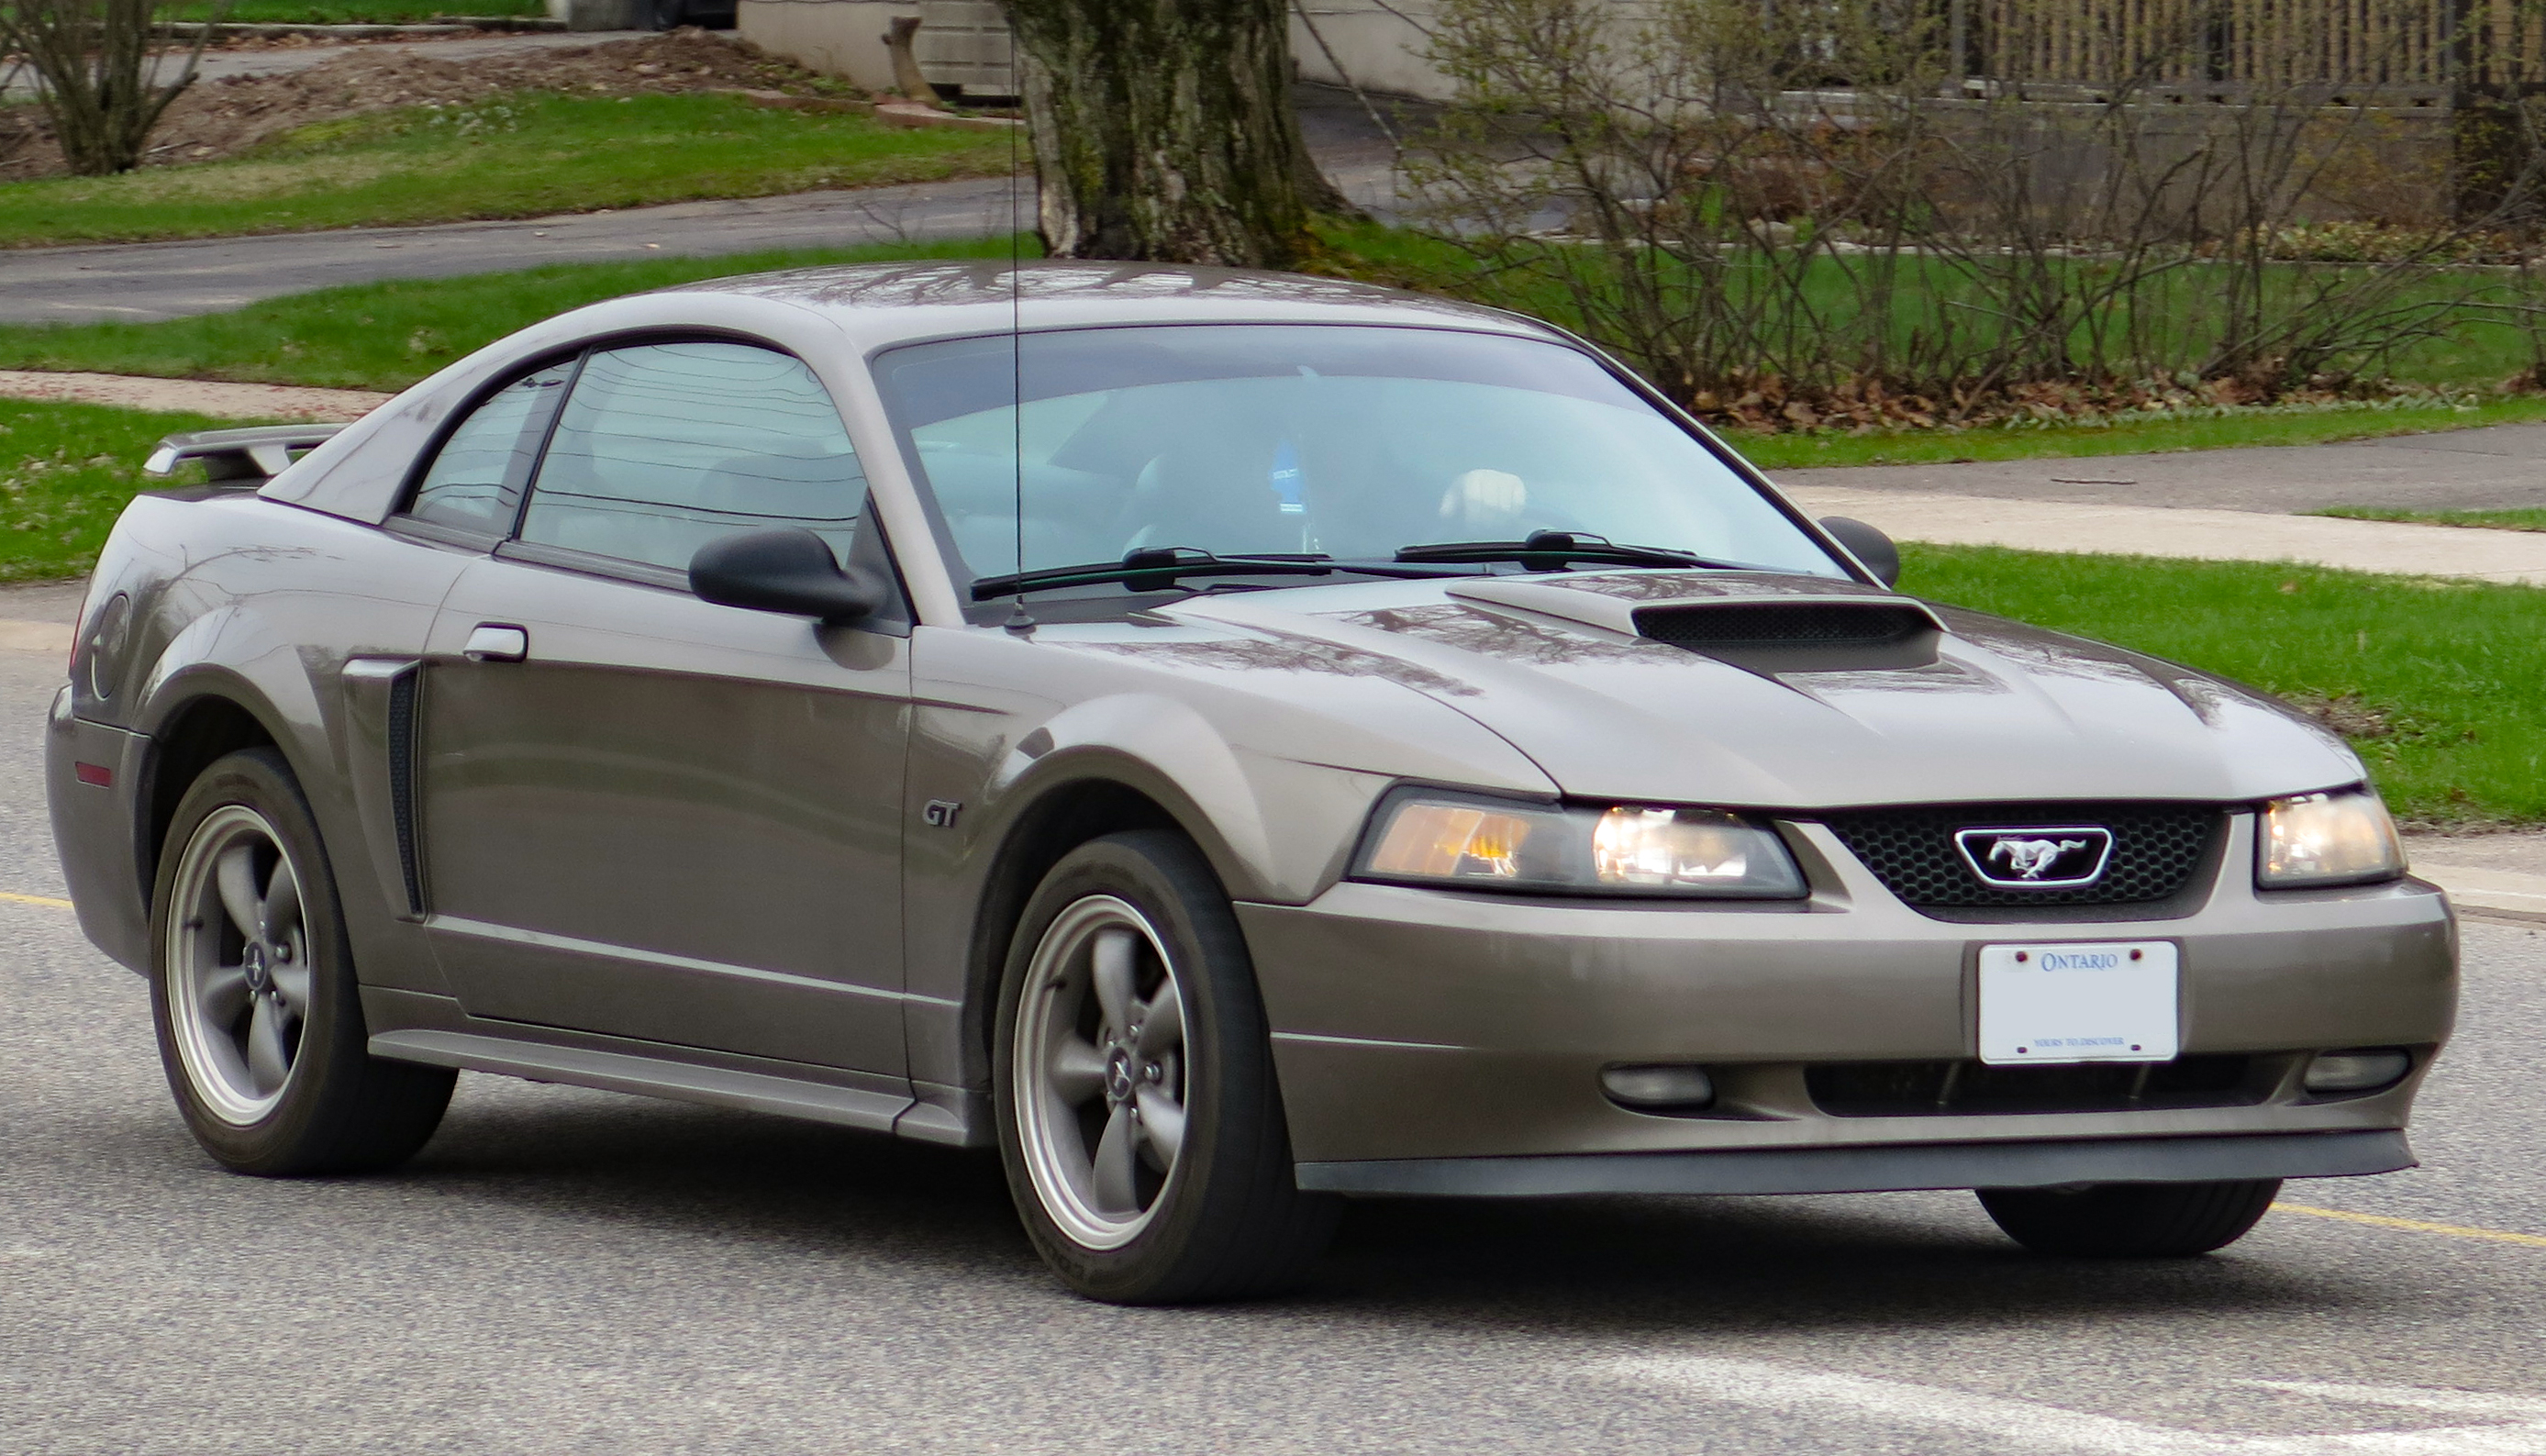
point(569, 1271)
point(137, 283)
point(141, 282)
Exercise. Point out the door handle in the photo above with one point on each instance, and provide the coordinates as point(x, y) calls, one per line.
point(494, 642)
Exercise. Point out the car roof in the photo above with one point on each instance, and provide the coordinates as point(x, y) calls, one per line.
point(878, 305)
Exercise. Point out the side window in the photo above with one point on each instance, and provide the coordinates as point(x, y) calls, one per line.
point(475, 482)
point(664, 448)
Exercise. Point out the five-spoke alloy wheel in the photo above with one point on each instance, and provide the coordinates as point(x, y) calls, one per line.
point(238, 964)
point(252, 987)
point(1100, 1070)
point(1139, 1117)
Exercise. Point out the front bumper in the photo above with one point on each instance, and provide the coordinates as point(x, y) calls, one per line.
point(2030, 1163)
point(1412, 1025)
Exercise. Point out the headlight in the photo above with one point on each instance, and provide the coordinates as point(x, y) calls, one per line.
point(1434, 837)
point(2339, 838)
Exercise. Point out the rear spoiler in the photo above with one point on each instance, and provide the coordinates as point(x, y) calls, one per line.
point(258, 452)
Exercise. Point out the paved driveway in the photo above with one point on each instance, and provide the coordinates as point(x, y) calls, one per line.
point(571, 1271)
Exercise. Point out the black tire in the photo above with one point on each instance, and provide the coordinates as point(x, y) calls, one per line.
point(2131, 1221)
point(666, 15)
point(337, 1108)
point(1225, 1220)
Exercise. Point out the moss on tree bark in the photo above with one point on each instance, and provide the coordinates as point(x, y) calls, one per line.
point(1164, 131)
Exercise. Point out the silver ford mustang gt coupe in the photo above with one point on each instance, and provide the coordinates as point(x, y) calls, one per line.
point(1230, 741)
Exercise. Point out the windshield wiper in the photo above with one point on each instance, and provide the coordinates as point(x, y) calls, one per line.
point(1553, 547)
point(1157, 568)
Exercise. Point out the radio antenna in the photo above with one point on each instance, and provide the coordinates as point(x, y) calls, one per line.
point(1020, 620)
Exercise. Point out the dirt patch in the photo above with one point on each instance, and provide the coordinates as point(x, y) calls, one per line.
point(224, 117)
point(197, 396)
point(2347, 715)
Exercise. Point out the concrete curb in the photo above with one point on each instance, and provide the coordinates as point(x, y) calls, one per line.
point(456, 25)
point(2492, 894)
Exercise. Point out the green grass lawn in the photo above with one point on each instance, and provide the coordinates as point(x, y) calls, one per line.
point(2509, 520)
point(349, 12)
point(1928, 294)
point(2462, 367)
point(522, 156)
point(2447, 678)
point(66, 472)
point(388, 335)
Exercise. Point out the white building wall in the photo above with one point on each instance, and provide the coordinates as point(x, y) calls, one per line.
point(838, 38)
point(1376, 45)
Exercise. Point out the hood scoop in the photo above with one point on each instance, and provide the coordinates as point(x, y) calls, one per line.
point(1768, 623)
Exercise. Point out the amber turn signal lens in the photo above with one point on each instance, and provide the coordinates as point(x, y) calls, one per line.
point(1449, 841)
point(1442, 836)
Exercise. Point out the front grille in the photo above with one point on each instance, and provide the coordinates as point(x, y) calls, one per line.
point(2157, 847)
point(1952, 1088)
point(1767, 624)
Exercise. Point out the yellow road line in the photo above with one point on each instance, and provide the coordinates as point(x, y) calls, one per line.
point(34, 899)
point(2415, 1226)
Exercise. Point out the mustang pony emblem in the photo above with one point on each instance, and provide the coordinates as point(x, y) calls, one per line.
point(2029, 858)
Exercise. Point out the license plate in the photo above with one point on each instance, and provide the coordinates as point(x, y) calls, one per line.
point(2099, 1001)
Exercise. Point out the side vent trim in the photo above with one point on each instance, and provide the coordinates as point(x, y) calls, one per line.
point(383, 743)
point(402, 765)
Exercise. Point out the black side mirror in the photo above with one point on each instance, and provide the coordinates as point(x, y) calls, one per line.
point(1867, 545)
point(789, 570)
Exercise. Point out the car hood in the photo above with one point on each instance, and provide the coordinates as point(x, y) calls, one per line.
point(1961, 708)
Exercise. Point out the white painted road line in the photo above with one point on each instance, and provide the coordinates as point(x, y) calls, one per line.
point(1997, 1422)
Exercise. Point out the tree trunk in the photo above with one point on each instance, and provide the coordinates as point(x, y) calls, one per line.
point(1164, 131)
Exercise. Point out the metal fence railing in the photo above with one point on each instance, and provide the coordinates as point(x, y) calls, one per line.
point(2248, 44)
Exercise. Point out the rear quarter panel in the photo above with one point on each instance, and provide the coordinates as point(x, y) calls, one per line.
point(261, 604)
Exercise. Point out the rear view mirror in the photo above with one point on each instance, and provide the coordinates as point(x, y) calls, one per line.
point(789, 570)
point(1867, 545)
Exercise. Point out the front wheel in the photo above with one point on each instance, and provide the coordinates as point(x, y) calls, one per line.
point(1139, 1115)
point(260, 1021)
point(2131, 1220)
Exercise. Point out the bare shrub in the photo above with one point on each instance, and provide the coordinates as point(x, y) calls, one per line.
point(1816, 208)
point(96, 64)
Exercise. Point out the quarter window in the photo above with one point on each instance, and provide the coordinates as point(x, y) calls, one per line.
point(475, 482)
point(664, 448)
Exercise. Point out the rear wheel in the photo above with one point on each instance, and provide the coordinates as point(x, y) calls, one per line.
point(1139, 1115)
point(260, 1022)
point(2131, 1220)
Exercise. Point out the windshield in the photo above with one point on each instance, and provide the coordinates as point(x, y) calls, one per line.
point(1352, 443)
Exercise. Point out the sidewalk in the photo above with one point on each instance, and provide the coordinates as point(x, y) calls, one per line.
point(2207, 535)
